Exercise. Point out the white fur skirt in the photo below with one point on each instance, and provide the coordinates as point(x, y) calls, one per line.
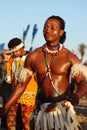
point(54, 116)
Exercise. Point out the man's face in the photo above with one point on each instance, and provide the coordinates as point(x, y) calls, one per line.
point(52, 31)
point(7, 55)
point(18, 52)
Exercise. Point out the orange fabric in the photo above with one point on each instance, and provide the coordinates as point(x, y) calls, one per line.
point(11, 117)
point(26, 114)
point(32, 85)
point(9, 64)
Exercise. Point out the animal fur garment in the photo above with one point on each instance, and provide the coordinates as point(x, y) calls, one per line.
point(23, 74)
point(77, 69)
point(55, 117)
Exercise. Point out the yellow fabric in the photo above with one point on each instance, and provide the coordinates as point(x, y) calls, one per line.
point(29, 96)
point(27, 99)
point(9, 66)
point(9, 70)
point(18, 63)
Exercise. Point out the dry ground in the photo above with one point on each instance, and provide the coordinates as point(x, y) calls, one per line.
point(81, 110)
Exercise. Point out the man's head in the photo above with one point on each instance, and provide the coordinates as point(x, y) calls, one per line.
point(5, 55)
point(54, 28)
point(16, 47)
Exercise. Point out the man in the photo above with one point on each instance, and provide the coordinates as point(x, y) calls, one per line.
point(26, 104)
point(16, 46)
point(52, 63)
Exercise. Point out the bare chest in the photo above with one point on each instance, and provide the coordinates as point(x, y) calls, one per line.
point(58, 65)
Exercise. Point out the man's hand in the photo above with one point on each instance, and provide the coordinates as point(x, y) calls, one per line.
point(73, 98)
point(2, 111)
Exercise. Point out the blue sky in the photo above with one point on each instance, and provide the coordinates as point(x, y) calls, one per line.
point(15, 15)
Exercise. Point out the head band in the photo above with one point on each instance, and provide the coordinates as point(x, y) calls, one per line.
point(17, 47)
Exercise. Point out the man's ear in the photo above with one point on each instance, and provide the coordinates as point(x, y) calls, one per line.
point(61, 32)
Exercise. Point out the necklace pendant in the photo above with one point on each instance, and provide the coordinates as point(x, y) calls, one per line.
point(47, 74)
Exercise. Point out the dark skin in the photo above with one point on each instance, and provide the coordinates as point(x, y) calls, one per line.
point(59, 71)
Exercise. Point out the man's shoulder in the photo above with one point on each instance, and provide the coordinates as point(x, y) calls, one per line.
point(36, 51)
point(67, 51)
point(71, 56)
point(35, 54)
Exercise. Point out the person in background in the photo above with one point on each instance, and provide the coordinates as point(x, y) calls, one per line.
point(26, 103)
point(6, 88)
point(5, 59)
point(52, 63)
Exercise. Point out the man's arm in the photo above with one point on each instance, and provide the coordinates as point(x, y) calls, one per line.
point(82, 89)
point(16, 94)
point(79, 74)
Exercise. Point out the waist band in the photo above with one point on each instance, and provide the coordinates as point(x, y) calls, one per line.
point(51, 99)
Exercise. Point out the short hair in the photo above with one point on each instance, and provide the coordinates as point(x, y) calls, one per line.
point(14, 42)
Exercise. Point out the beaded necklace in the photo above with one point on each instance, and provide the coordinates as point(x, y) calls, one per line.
point(54, 53)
